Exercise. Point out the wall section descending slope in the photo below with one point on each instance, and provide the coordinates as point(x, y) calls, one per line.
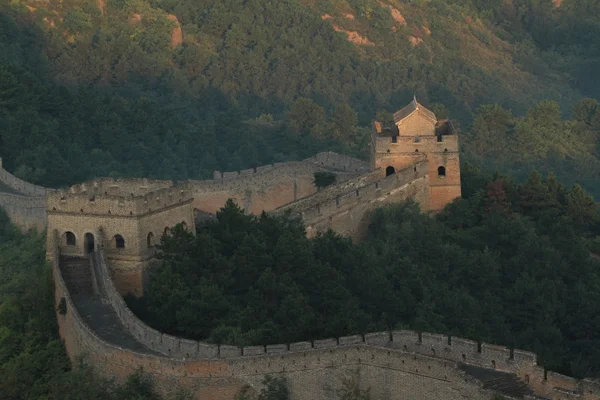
point(345, 207)
point(25, 203)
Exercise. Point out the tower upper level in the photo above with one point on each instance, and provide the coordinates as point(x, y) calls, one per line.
point(415, 119)
point(122, 197)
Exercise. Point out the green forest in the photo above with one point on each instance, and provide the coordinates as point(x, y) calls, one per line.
point(177, 89)
point(507, 264)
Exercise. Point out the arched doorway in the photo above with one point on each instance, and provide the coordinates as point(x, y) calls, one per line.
point(88, 243)
point(119, 242)
point(70, 239)
point(390, 171)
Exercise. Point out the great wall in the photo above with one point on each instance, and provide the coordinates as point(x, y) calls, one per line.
point(100, 241)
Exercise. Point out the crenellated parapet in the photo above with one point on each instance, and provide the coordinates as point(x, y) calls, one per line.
point(115, 198)
point(345, 207)
point(401, 356)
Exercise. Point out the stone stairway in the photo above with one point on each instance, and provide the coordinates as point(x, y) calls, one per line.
point(77, 275)
point(505, 383)
point(94, 309)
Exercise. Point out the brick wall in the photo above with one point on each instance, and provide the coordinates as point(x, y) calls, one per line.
point(345, 208)
point(23, 202)
point(25, 212)
point(394, 365)
point(20, 185)
point(416, 124)
point(269, 187)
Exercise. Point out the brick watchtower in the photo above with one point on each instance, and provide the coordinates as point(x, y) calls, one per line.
point(417, 134)
point(133, 214)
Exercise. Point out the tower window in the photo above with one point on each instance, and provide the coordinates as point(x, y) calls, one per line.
point(119, 242)
point(71, 241)
point(440, 138)
point(394, 139)
point(441, 171)
point(417, 139)
point(150, 240)
point(390, 171)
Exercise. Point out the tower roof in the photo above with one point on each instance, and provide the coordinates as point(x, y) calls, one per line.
point(412, 107)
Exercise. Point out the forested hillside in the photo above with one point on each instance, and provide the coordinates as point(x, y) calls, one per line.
point(176, 89)
point(507, 264)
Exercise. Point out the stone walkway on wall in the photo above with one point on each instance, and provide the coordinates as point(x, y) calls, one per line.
point(501, 382)
point(7, 189)
point(95, 310)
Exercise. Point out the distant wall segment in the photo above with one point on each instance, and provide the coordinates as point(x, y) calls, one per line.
point(24, 203)
point(271, 186)
point(25, 188)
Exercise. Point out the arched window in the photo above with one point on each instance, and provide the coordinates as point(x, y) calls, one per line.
point(150, 240)
point(70, 238)
point(119, 242)
point(441, 171)
point(390, 171)
point(167, 230)
point(184, 225)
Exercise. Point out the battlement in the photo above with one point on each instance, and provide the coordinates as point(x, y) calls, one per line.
point(427, 344)
point(119, 197)
point(329, 160)
point(359, 189)
point(416, 144)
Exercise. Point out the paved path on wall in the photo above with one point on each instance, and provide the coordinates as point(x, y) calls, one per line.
point(4, 188)
point(95, 311)
point(502, 382)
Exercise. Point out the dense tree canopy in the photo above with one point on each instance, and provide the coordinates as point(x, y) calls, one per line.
point(88, 92)
point(508, 264)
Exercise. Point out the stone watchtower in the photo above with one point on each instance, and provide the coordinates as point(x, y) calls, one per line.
point(417, 134)
point(132, 214)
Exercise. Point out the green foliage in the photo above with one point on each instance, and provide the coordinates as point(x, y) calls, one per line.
point(275, 388)
point(324, 179)
point(507, 264)
point(105, 94)
point(498, 140)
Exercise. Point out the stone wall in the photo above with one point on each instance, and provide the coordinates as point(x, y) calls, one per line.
point(345, 208)
point(26, 188)
point(94, 202)
point(24, 203)
point(25, 212)
point(416, 124)
point(394, 365)
point(271, 186)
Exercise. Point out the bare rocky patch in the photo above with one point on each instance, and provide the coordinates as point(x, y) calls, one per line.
point(354, 37)
point(415, 41)
point(177, 32)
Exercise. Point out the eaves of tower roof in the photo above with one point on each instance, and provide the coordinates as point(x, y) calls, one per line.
point(410, 109)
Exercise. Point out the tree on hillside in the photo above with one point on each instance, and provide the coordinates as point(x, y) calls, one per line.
point(306, 117)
